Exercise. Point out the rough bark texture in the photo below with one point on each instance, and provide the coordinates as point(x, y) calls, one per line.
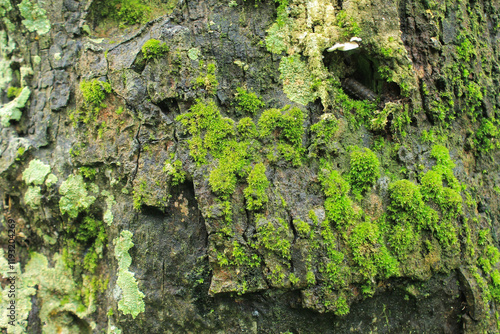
point(218, 167)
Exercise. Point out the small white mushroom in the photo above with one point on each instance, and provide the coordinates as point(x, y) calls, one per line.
point(355, 39)
point(344, 46)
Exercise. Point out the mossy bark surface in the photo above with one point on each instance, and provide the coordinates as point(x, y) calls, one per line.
point(220, 167)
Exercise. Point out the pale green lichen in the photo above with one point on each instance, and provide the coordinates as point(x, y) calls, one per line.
point(33, 197)
point(25, 72)
point(131, 301)
point(7, 45)
point(297, 80)
point(110, 201)
point(59, 297)
point(12, 110)
point(75, 197)
point(35, 17)
point(194, 53)
point(112, 329)
point(50, 180)
point(24, 291)
point(36, 172)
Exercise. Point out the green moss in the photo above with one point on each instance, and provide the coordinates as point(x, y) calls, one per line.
point(208, 128)
point(174, 171)
point(369, 253)
point(286, 125)
point(323, 135)
point(36, 172)
point(332, 266)
point(487, 136)
point(364, 170)
point(242, 257)
point(338, 205)
point(208, 81)
point(91, 232)
point(75, 198)
point(255, 193)
point(154, 49)
point(12, 110)
point(33, 197)
point(88, 172)
point(94, 92)
point(14, 92)
point(246, 128)
point(139, 193)
point(35, 17)
point(274, 237)
point(131, 301)
point(231, 164)
point(303, 228)
point(247, 102)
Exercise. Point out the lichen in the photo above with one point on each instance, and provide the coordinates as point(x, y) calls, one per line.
point(36, 172)
point(51, 180)
point(61, 300)
point(194, 53)
point(12, 110)
point(131, 301)
point(75, 196)
point(110, 201)
point(7, 45)
point(24, 290)
point(35, 17)
point(33, 197)
point(297, 80)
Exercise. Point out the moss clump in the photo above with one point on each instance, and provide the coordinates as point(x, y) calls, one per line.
point(14, 92)
point(208, 81)
point(91, 231)
point(275, 238)
point(369, 253)
point(323, 135)
point(286, 125)
point(255, 193)
point(487, 136)
point(338, 205)
point(36, 172)
point(153, 49)
point(247, 101)
point(75, 198)
point(174, 171)
point(246, 128)
point(131, 301)
point(231, 164)
point(364, 170)
point(35, 17)
point(94, 92)
point(124, 12)
point(208, 128)
point(12, 110)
